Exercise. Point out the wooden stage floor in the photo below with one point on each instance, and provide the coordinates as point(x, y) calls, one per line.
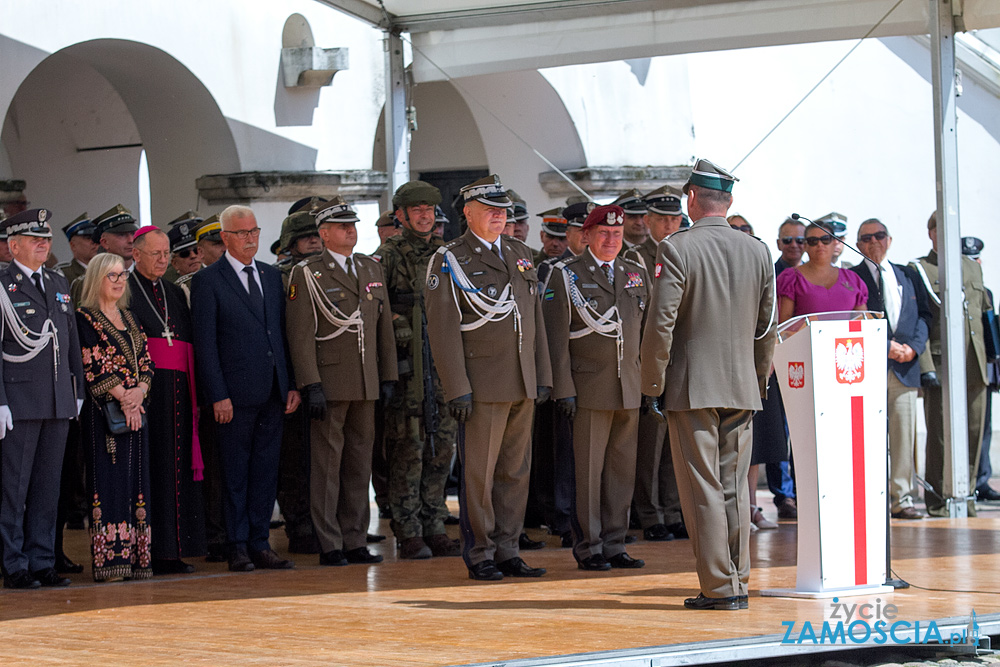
point(430, 613)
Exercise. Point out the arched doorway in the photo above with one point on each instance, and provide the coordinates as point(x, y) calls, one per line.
point(80, 119)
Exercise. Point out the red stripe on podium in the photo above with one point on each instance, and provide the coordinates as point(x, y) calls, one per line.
point(858, 456)
point(854, 325)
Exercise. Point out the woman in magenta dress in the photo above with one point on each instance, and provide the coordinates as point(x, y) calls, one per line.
point(817, 286)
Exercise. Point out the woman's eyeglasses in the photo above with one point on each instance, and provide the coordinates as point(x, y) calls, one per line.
point(116, 276)
point(814, 241)
point(788, 240)
point(878, 236)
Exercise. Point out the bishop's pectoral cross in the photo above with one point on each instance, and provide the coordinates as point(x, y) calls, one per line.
point(169, 335)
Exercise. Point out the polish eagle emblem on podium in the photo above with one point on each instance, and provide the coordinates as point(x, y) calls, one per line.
point(849, 356)
point(796, 374)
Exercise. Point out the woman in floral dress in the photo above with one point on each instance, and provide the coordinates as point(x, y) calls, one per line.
point(117, 370)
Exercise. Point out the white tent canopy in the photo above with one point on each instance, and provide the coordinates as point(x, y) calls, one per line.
point(465, 38)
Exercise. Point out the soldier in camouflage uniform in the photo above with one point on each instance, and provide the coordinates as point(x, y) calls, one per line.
point(300, 237)
point(419, 461)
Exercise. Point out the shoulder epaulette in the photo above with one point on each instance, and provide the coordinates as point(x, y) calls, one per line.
point(631, 261)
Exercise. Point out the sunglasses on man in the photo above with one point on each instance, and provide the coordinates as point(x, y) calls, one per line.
point(184, 254)
point(788, 240)
point(814, 241)
point(878, 236)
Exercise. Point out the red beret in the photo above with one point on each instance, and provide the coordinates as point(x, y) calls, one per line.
point(611, 216)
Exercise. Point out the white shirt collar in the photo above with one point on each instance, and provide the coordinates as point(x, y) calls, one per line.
point(28, 272)
point(600, 262)
point(238, 266)
point(341, 259)
point(487, 243)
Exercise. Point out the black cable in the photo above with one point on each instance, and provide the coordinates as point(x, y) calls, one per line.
point(943, 590)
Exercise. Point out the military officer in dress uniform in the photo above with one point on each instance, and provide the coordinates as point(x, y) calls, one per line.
point(420, 432)
point(550, 496)
point(520, 209)
point(342, 348)
point(836, 224)
point(656, 500)
point(976, 303)
point(185, 256)
point(635, 217)
point(42, 382)
point(594, 306)
point(707, 349)
point(488, 338)
point(552, 235)
point(79, 233)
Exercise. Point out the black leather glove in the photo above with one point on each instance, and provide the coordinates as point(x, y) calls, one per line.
point(315, 401)
point(567, 406)
point(461, 408)
point(387, 390)
point(651, 404)
point(929, 379)
point(544, 394)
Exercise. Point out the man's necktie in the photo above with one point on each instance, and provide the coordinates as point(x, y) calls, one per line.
point(37, 278)
point(256, 298)
point(349, 265)
point(609, 272)
point(496, 250)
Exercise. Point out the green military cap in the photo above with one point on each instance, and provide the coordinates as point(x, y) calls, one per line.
point(191, 218)
point(415, 193)
point(276, 247)
point(116, 220)
point(553, 222)
point(711, 176)
point(298, 225)
point(306, 204)
point(631, 202)
point(488, 190)
point(388, 219)
point(665, 200)
point(835, 223)
point(336, 210)
point(210, 229)
point(181, 237)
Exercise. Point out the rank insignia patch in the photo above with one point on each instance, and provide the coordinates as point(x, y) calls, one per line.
point(292, 292)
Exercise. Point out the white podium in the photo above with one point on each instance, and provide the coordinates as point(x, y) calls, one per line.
point(831, 370)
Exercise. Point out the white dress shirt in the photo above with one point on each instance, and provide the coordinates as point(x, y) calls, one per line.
point(238, 267)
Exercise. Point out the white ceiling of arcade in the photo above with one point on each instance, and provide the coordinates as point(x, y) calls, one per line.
point(457, 38)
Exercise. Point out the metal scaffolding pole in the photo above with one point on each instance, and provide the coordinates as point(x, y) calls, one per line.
point(397, 132)
point(956, 437)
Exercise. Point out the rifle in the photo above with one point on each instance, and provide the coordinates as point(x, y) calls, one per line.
point(429, 404)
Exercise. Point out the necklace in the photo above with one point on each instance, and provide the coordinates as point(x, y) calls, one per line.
point(165, 320)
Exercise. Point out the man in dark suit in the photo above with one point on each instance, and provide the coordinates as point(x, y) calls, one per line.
point(892, 291)
point(41, 390)
point(238, 309)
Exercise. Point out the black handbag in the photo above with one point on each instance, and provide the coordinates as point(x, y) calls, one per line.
point(115, 417)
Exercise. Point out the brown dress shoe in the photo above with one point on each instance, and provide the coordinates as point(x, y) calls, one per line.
point(908, 513)
point(266, 559)
point(443, 546)
point(414, 548)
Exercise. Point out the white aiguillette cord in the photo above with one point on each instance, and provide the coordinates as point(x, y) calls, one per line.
point(607, 324)
point(30, 341)
point(353, 322)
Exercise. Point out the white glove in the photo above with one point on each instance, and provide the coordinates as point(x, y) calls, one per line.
point(6, 421)
point(79, 406)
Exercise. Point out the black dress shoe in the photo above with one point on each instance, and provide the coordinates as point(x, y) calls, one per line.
point(525, 543)
point(65, 566)
point(629, 539)
point(239, 560)
point(678, 530)
point(171, 566)
point(451, 520)
point(657, 533)
point(384, 513)
point(595, 563)
point(985, 493)
point(362, 555)
point(719, 604)
point(515, 567)
point(374, 539)
point(566, 540)
point(743, 601)
point(49, 577)
point(20, 579)
point(266, 559)
point(626, 562)
point(335, 558)
point(485, 571)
